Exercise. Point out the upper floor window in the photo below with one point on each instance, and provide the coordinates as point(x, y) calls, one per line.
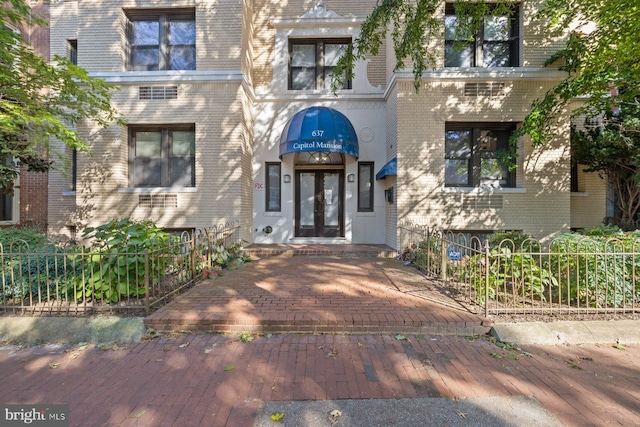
point(162, 40)
point(162, 156)
point(494, 45)
point(311, 63)
point(472, 155)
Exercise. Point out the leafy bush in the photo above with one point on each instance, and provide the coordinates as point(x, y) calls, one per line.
point(39, 273)
point(603, 230)
point(116, 265)
point(520, 240)
point(32, 267)
point(519, 275)
point(32, 236)
point(596, 271)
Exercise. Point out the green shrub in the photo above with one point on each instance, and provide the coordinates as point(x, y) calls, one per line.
point(520, 240)
point(596, 271)
point(116, 265)
point(603, 230)
point(32, 236)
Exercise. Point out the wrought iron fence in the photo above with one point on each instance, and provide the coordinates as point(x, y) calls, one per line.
point(569, 275)
point(74, 280)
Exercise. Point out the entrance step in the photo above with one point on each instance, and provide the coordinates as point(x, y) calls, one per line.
point(320, 250)
point(306, 323)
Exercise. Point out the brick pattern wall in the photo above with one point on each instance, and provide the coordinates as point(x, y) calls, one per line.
point(543, 205)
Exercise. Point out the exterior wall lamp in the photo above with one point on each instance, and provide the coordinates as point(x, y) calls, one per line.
point(351, 178)
point(287, 178)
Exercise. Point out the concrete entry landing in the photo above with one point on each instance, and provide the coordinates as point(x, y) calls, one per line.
point(323, 294)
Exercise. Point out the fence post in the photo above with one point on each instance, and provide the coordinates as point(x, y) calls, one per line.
point(443, 258)
point(193, 257)
point(146, 281)
point(486, 278)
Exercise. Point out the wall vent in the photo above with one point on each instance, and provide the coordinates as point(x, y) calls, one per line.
point(484, 89)
point(158, 92)
point(158, 201)
point(482, 202)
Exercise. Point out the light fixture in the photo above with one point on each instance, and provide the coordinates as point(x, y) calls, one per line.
point(287, 178)
point(351, 178)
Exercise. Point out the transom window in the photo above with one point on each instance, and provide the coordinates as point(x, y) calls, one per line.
point(162, 156)
point(162, 40)
point(472, 155)
point(311, 63)
point(495, 44)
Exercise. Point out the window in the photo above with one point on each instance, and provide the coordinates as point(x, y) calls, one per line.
point(472, 152)
point(365, 186)
point(162, 40)
point(72, 55)
point(311, 63)
point(272, 185)
point(8, 196)
point(162, 156)
point(495, 44)
point(72, 51)
point(74, 169)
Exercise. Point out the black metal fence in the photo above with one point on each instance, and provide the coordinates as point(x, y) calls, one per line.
point(72, 280)
point(570, 275)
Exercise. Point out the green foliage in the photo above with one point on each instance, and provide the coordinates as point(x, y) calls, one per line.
point(40, 100)
point(32, 266)
point(514, 239)
point(41, 272)
point(116, 266)
point(510, 274)
point(596, 271)
point(31, 236)
point(603, 230)
point(610, 145)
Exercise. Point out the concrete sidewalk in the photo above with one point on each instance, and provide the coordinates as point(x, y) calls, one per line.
point(215, 380)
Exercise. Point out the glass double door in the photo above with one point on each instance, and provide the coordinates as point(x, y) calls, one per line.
point(319, 203)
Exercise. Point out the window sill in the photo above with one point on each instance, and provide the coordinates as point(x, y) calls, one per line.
point(484, 190)
point(159, 190)
point(579, 194)
point(272, 213)
point(68, 194)
point(366, 214)
point(481, 73)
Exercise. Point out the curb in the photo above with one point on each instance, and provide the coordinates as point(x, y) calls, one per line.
point(569, 332)
point(36, 330)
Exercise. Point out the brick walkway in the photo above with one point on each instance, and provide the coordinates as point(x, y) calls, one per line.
point(215, 380)
point(316, 294)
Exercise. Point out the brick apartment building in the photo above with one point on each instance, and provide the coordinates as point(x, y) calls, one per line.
point(230, 117)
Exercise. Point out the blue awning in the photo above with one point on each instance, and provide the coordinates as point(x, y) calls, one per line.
point(319, 129)
point(390, 169)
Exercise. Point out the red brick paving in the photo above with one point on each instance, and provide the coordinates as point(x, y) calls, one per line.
point(304, 294)
point(180, 380)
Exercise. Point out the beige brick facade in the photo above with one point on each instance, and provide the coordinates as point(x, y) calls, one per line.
point(238, 101)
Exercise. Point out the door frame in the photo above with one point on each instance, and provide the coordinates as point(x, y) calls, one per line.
point(319, 230)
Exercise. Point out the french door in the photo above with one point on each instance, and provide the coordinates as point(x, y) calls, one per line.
point(319, 203)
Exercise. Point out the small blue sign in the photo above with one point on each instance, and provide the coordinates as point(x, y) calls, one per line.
point(453, 254)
